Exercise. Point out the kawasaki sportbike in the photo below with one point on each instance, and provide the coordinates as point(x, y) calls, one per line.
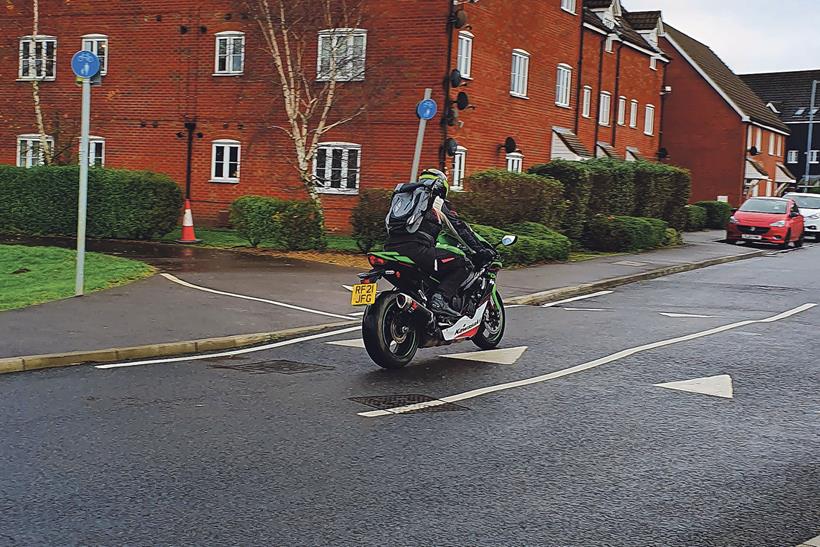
point(398, 322)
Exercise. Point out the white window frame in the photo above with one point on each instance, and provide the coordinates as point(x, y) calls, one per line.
point(605, 108)
point(227, 144)
point(814, 157)
point(633, 114)
point(780, 140)
point(229, 37)
point(91, 42)
point(569, 6)
point(32, 59)
point(621, 110)
point(649, 120)
point(759, 141)
point(793, 156)
point(459, 169)
point(563, 86)
point(352, 68)
point(29, 138)
point(771, 144)
point(586, 105)
point(519, 75)
point(515, 162)
point(465, 54)
point(750, 137)
point(610, 44)
point(346, 147)
point(653, 63)
point(92, 152)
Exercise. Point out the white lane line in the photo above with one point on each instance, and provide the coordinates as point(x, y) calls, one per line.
point(357, 314)
point(232, 352)
point(582, 367)
point(179, 281)
point(575, 299)
point(684, 315)
point(584, 309)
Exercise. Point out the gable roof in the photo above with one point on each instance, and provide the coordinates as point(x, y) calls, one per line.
point(788, 91)
point(623, 28)
point(597, 4)
point(728, 84)
point(643, 20)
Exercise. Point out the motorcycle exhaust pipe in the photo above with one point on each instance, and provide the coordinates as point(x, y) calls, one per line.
point(408, 303)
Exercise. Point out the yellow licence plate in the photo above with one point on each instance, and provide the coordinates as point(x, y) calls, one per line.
point(364, 294)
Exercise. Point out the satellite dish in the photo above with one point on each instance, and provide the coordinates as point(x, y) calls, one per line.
point(663, 153)
point(462, 101)
point(451, 147)
point(455, 78)
point(452, 117)
point(510, 145)
point(754, 151)
point(460, 19)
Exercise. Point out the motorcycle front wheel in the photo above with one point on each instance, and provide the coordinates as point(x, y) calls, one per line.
point(389, 334)
point(492, 328)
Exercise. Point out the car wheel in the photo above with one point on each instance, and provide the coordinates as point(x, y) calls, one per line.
point(785, 244)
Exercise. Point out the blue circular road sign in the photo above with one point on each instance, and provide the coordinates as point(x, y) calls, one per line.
point(85, 64)
point(427, 109)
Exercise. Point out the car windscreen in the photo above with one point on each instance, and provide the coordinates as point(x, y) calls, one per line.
point(764, 206)
point(807, 202)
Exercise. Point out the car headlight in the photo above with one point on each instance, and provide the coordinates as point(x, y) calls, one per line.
point(815, 216)
point(778, 224)
point(732, 220)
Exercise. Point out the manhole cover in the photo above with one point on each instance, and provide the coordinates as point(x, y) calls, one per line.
point(279, 367)
point(386, 402)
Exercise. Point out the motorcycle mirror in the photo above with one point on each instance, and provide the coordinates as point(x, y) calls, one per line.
point(509, 240)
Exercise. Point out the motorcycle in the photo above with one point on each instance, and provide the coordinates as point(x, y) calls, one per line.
point(398, 322)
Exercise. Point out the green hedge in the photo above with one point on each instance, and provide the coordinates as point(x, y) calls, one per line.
point(814, 190)
point(575, 177)
point(121, 204)
point(528, 250)
point(653, 188)
point(291, 225)
point(621, 233)
point(717, 213)
point(499, 198)
point(368, 218)
point(613, 187)
point(680, 192)
point(695, 218)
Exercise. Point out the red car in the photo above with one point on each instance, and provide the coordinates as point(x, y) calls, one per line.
point(767, 220)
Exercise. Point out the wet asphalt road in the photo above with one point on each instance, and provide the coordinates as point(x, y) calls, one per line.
point(201, 453)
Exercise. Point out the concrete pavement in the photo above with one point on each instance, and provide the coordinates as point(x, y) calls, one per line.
point(270, 447)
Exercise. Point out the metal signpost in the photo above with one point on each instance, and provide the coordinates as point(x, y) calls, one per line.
point(426, 110)
point(85, 65)
point(807, 176)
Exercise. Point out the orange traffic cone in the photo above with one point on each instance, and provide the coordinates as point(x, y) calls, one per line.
point(188, 234)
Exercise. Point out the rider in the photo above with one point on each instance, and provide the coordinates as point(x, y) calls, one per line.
point(449, 267)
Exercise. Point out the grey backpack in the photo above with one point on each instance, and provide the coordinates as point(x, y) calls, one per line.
point(410, 203)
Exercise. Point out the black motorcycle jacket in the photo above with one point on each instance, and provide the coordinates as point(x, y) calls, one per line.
point(432, 225)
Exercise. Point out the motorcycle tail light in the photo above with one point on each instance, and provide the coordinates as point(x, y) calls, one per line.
point(376, 261)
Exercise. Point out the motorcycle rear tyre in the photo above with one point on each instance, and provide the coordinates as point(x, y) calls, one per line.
point(374, 329)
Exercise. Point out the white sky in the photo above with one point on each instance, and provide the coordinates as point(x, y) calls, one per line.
point(749, 35)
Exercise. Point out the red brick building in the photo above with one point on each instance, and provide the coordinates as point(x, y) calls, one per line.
point(536, 71)
point(715, 125)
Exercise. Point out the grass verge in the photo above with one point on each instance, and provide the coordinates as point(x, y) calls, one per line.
point(224, 238)
point(33, 275)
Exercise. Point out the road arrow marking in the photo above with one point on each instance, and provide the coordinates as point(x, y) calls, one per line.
point(716, 386)
point(348, 287)
point(687, 315)
point(355, 343)
point(507, 356)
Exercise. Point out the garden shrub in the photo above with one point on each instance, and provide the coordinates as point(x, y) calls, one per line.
point(653, 187)
point(575, 177)
point(500, 198)
point(695, 218)
point(717, 213)
point(673, 238)
point(622, 233)
point(121, 204)
point(528, 250)
point(680, 192)
point(368, 216)
point(612, 187)
point(290, 225)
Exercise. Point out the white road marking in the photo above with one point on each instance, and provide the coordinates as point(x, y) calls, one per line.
point(575, 299)
point(232, 352)
point(348, 287)
point(815, 542)
point(506, 356)
point(582, 367)
point(749, 334)
point(716, 386)
point(585, 309)
point(357, 314)
point(686, 315)
point(630, 263)
point(355, 343)
point(179, 281)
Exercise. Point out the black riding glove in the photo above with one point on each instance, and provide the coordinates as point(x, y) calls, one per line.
point(485, 256)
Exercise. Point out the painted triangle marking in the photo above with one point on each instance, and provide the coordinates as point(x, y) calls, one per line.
point(507, 356)
point(355, 343)
point(348, 287)
point(716, 386)
point(686, 315)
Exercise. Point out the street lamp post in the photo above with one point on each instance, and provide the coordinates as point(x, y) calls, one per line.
point(806, 176)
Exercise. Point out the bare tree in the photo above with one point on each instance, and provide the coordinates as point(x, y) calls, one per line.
point(312, 94)
point(35, 87)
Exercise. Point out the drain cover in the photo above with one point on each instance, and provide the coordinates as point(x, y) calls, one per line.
point(386, 402)
point(279, 367)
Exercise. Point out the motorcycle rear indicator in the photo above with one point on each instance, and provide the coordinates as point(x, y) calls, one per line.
point(376, 261)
